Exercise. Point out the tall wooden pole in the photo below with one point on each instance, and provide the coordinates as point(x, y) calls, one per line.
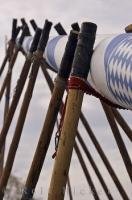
point(93, 164)
point(118, 138)
point(76, 27)
point(11, 45)
point(81, 66)
point(104, 158)
point(12, 62)
point(9, 54)
point(33, 23)
point(51, 116)
point(123, 124)
point(69, 189)
point(24, 108)
point(8, 113)
point(24, 23)
point(86, 172)
point(60, 29)
point(8, 57)
point(19, 88)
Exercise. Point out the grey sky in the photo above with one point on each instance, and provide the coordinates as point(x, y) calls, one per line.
point(111, 17)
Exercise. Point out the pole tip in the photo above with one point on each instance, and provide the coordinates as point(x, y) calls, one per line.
point(128, 29)
point(88, 27)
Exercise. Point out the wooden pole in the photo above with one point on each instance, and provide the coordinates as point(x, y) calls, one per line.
point(75, 26)
point(60, 29)
point(24, 23)
point(11, 45)
point(12, 62)
point(104, 158)
point(24, 108)
point(86, 172)
point(8, 57)
point(69, 189)
point(33, 23)
point(50, 119)
point(19, 88)
point(81, 65)
point(7, 99)
point(123, 124)
point(97, 146)
point(118, 139)
point(93, 164)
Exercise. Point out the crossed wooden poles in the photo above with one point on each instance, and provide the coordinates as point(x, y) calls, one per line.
point(78, 58)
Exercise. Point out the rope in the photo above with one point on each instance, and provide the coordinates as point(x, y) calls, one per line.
point(58, 133)
point(78, 83)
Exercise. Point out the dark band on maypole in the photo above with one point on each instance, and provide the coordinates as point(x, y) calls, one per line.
point(35, 42)
point(24, 23)
point(15, 30)
point(11, 44)
point(60, 30)
point(83, 53)
point(14, 27)
point(33, 24)
point(75, 26)
point(128, 29)
point(65, 68)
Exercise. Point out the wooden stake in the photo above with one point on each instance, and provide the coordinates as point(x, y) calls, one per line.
point(81, 67)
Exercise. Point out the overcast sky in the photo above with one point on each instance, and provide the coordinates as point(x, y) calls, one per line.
point(111, 17)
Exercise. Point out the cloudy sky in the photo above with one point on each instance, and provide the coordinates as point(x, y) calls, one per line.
point(111, 17)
